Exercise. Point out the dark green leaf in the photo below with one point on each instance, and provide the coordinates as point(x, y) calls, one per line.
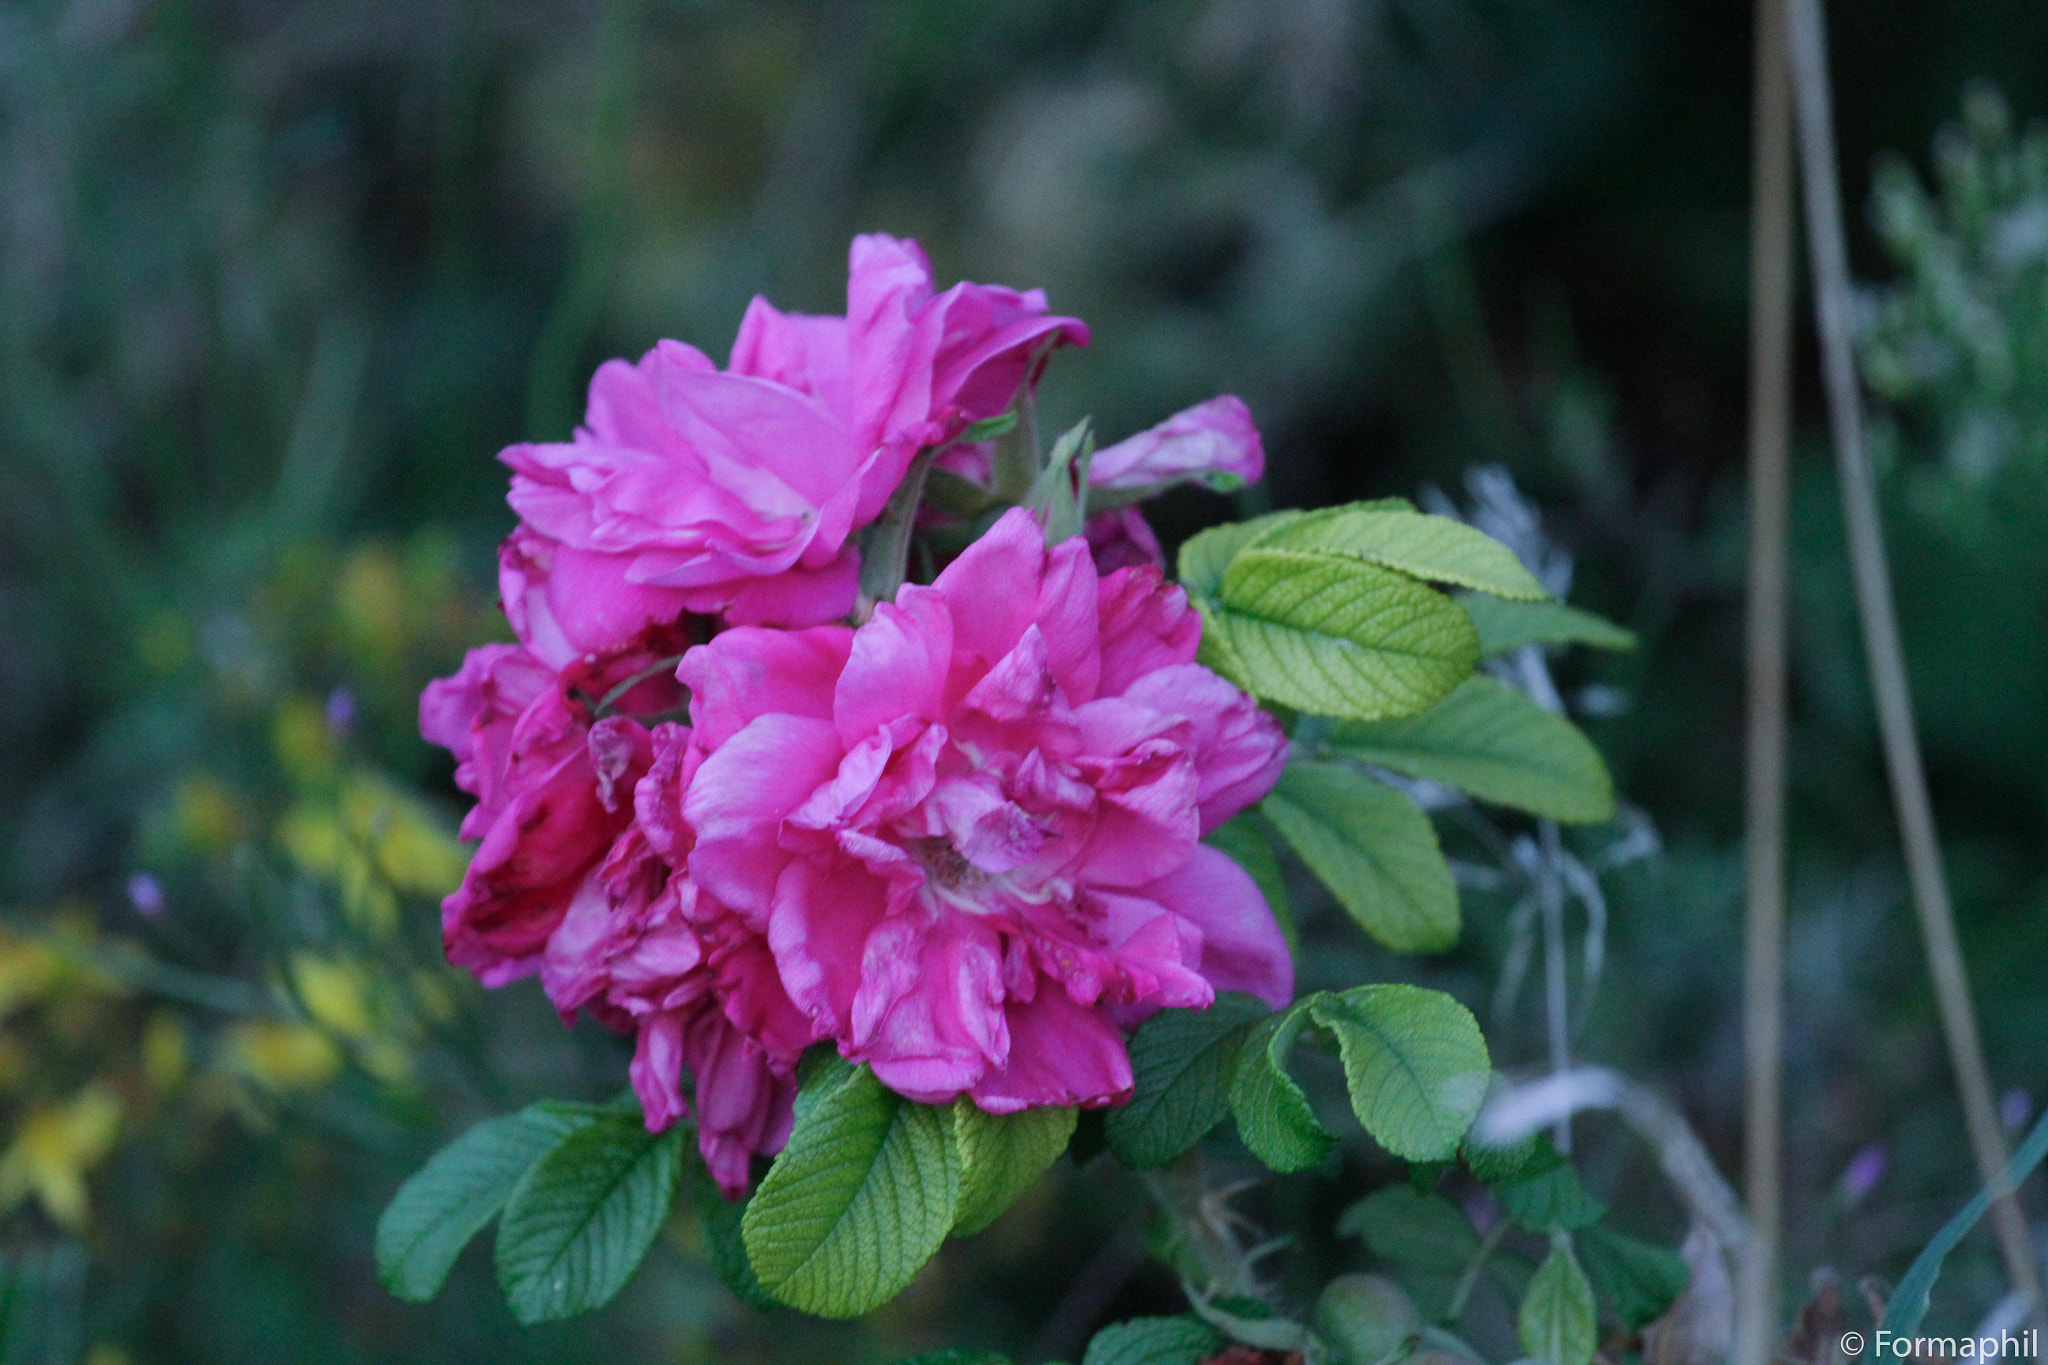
point(1273, 1115)
point(1639, 1280)
point(1545, 1194)
point(1374, 849)
point(460, 1189)
point(1491, 741)
point(578, 1223)
point(956, 1355)
point(1153, 1341)
point(1001, 1156)
point(1183, 1063)
point(718, 1228)
point(859, 1199)
point(1414, 1062)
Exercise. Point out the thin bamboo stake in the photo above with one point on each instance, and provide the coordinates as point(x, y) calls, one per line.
point(1770, 385)
point(1807, 45)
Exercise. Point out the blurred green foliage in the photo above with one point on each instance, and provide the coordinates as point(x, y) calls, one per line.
point(277, 279)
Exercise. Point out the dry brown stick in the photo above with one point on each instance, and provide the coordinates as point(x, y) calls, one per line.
point(1807, 45)
point(1770, 384)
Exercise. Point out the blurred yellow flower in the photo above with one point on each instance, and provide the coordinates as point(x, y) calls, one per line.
point(281, 1055)
point(205, 812)
point(28, 970)
point(304, 745)
point(53, 1150)
point(166, 1056)
point(370, 600)
point(334, 993)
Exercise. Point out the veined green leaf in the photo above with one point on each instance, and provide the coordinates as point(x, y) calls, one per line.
point(1438, 549)
point(1180, 1340)
point(1183, 1063)
point(859, 1199)
point(1001, 1155)
point(718, 1228)
point(1639, 1279)
point(1206, 554)
point(1338, 637)
point(579, 1222)
point(1556, 1324)
point(1494, 743)
point(1273, 1115)
point(1414, 1062)
point(1505, 625)
point(1374, 849)
point(460, 1189)
point(1542, 1192)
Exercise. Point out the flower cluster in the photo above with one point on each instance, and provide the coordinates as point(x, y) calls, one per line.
point(960, 840)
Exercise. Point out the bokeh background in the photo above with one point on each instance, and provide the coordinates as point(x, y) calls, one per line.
point(278, 279)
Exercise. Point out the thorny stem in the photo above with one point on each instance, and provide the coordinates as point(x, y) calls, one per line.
point(1826, 241)
point(1770, 382)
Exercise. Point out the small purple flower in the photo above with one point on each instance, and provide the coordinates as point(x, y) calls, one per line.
point(1862, 1173)
point(341, 711)
point(146, 894)
point(2015, 1107)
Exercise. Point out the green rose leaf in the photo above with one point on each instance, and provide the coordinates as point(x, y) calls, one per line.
point(718, 1228)
point(1273, 1115)
point(1336, 636)
point(1183, 1063)
point(1374, 849)
point(1556, 1324)
point(1640, 1280)
point(1001, 1155)
point(1410, 1228)
point(1438, 549)
point(579, 1222)
point(1206, 554)
point(1414, 1063)
point(1493, 742)
point(859, 1199)
point(1543, 1192)
point(460, 1189)
point(956, 1355)
point(1505, 625)
point(1180, 1340)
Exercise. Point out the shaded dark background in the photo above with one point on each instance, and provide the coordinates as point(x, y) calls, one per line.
point(277, 281)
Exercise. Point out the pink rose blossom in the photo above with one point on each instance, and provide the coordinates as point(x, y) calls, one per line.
point(1216, 437)
point(646, 953)
point(1122, 539)
point(735, 492)
point(969, 830)
point(553, 791)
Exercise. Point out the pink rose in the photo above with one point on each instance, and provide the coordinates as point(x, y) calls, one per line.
point(969, 830)
point(1202, 442)
point(648, 954)
point(553, 792)
point(735, 492)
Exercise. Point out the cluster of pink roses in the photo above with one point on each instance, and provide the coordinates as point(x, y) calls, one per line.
point(960, 840)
